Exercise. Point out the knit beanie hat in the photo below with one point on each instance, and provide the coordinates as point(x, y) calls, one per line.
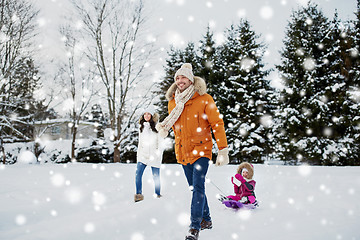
point(185, 70)
point(150, 109)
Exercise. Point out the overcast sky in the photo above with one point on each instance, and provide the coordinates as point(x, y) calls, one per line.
point(180, 21)
point(177, 22)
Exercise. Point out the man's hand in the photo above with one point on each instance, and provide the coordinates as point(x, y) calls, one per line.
point(223, 157)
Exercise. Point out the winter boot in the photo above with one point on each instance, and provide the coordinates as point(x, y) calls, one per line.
point(205, 224)
point(244, 200)
point(192, 235)
point(223, 198)
point(138, 197)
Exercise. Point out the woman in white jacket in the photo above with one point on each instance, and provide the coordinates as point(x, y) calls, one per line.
point(149, 153)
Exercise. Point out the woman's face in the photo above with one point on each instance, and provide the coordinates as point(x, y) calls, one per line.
point(147, 116)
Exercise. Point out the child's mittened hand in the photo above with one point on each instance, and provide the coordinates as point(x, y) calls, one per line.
point(235, 181)
point(240, 178)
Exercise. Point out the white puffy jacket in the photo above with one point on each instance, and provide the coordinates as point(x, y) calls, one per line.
point(150, 148)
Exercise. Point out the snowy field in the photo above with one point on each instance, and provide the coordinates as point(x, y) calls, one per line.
point(86, 201)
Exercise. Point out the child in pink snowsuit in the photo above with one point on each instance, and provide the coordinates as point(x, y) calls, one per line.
point(244, 185)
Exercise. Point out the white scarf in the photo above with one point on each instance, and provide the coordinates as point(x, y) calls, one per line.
point(180, 99)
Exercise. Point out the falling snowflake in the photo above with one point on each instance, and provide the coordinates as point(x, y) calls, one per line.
point(241, 13)
point(180, 2)
point(299, 52)
point(209, 4)
point(212, 23)
point(73, 195)
point(354, 53)
point(184, 219)
point(219, 38)
point(174, 38)
point(309, 21)
point(247, 64)
point(309, 64)
point(266, 121)
point(153, 221)
point(137, 236)
point(243, 131)
point(266, 12)
point(58, 180)
point(20, 219)
point(98, 198)
point(269, 37)
point(244, 215)
point(327, 132)
point(304, 170)
point(191, 18)
point(89, 228)
point(53, 213)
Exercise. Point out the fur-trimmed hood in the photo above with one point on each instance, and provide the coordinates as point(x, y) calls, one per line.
point(249, 167)
point(155, 117)
point(199, 84)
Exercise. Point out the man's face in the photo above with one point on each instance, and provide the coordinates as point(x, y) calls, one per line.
point(182, 82)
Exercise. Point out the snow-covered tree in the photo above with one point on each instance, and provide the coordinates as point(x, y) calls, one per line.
point(235, 78)
point(176, 58)
point(243, 93)
point(25, 107)
point(353, 90)
point(113, 34)
point(77, 82)
point(17, 29)
point(96, 115)
point(314, 106)
point(207, 60)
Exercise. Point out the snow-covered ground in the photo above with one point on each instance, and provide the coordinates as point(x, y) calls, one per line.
point(86, 201)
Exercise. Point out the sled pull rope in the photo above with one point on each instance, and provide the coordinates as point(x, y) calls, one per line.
point(215, 185)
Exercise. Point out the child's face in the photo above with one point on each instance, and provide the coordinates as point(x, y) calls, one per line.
point(245, 174)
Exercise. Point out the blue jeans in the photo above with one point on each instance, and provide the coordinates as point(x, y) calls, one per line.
point(140, 167)
point(195, 174)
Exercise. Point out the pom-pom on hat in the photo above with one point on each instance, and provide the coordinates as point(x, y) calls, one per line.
point(185, 70)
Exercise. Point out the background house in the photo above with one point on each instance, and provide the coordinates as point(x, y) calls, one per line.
point(56, 129)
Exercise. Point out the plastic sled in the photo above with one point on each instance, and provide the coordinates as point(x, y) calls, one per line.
point(236, 204)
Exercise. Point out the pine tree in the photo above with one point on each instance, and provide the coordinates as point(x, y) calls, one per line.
point(353, 92)
point(176, 58)
point(208, 69)
point(339, 114)
point(96, 115)
point(243, 94)
point(313, 105)
point(24, 109)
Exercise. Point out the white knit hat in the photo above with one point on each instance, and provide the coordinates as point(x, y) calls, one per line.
point(150, 109)
point(185, 70)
